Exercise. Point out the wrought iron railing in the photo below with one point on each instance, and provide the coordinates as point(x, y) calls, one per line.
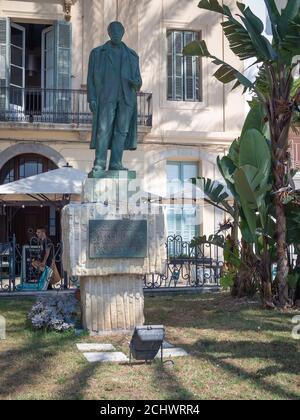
point(188, 266)
point(56, 106)
point(17, 268)
point(8, 265)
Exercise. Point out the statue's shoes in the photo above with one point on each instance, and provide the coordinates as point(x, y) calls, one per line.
point(117, 168)
point(99, 168)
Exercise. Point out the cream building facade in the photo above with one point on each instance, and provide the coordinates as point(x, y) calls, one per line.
point(186, 117)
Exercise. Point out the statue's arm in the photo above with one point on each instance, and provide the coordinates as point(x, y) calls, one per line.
point(137, 81)
point(138, 78)
point(91, 89)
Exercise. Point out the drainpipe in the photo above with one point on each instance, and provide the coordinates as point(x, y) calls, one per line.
point(83, 82)
point(224, 86)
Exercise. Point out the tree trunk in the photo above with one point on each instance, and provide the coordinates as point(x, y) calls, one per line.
point(266, 277)
point(246, 278)
point(282, 260)
point(235, 245)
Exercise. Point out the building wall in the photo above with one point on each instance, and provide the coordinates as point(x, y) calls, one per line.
point(181, 130)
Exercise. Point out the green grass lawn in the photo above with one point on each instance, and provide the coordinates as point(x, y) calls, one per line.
point(237, 351)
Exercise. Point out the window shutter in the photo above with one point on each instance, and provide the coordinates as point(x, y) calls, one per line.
point(170, 65)
point(63, 55)
point(183, 73)
point(62, 80)
point(4, 51)
point(178, 65)
point(189, 70)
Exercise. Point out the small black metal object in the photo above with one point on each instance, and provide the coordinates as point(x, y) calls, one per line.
point(146, 342)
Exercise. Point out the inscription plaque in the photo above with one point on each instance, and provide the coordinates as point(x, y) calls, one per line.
point(118, 238)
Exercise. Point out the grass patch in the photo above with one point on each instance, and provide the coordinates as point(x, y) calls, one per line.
point(237, 351)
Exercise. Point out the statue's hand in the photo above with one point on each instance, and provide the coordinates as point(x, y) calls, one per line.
point(134, 84)
point(93, 106)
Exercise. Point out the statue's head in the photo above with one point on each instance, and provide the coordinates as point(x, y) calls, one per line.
point(116, 32)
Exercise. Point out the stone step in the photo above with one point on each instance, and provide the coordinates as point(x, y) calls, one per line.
point(106, 357)
point(172, 352)
point(93, 347)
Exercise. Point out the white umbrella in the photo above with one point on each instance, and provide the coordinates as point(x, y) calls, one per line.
point(60, 181)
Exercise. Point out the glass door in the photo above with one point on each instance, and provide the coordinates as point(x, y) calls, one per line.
point(17, 69)
point(48, 67)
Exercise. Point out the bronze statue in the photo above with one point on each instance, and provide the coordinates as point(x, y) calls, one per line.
point(113, 81)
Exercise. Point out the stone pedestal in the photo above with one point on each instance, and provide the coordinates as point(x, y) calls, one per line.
point(111, 244)
point(112, 303)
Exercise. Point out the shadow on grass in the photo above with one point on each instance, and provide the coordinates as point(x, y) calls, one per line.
point(168, 383)
point(227, 316)
point(23, 365)
point(223, 354)
point(186, 312)
point(77, 383)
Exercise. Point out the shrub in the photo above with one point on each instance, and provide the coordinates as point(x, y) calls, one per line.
point(54, 313)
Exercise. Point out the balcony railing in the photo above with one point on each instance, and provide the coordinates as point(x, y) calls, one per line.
point(56, 106)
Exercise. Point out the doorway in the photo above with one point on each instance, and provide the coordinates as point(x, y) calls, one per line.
point(31, 65)
point(22, 218)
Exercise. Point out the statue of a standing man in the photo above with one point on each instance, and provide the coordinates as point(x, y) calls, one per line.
point(113, 81)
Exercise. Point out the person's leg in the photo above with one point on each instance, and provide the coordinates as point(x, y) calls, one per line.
point(121, 128)
point(104, 133)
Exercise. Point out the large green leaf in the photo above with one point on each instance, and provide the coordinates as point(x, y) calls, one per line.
point(255, 28)
point(289, 47)
point(215, 192)
point(274, 16)
point(247, 198)
point(272, 11)
point(234, 152)
point(211, 5)
point(226, 73)
point(245, 41)
point(255, 151)
point(239, 40)
point(196, 48)
point(288, 14)
point(262, 82)
point(227, 169)
point(255, 119)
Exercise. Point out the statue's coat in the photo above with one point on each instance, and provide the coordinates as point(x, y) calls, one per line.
point(102, 86)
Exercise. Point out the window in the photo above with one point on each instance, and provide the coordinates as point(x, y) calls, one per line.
point(23, 166)
point(184, 73)
point(39, 62)
point(181, 220)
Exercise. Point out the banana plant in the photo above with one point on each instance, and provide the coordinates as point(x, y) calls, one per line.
point(246, 170)
point(273, 89)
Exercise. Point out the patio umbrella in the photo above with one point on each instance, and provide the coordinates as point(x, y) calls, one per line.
point(46, 185)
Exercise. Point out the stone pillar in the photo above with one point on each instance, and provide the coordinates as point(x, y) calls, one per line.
point(112, 303)
point(111, 244)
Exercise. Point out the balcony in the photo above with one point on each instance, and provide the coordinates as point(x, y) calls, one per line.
point(58, 106)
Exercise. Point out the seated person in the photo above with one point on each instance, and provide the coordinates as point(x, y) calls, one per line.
point(46, 264)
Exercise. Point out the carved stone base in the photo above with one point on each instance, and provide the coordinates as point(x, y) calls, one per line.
point(113, 303)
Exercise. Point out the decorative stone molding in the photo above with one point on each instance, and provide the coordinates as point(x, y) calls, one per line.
point(40, 149)
point(67, 5)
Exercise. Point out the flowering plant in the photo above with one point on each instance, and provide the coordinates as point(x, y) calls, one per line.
point(54, 313)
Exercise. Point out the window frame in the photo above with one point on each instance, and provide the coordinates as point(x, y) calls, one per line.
point(177, 215)
point(196, 68)
point(15, 163)
point(164, 104)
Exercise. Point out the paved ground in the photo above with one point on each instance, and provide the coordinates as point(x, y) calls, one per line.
point(103, 353)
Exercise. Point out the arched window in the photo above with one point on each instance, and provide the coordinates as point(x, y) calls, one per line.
point(23, 166)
